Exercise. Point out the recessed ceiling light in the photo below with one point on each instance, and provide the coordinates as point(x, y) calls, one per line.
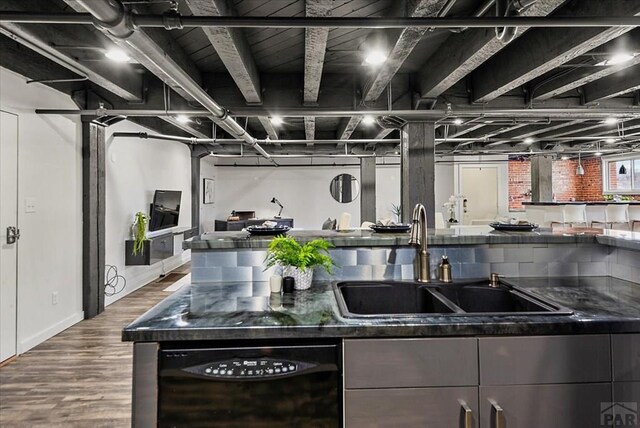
point(117, 55)
point(611, 121)
point(529, 140)
point(618, 58)
point(182, 118)
point(598, 153)
point(610, 140)
point(564, 158)
point(276, 120)
point(368, 120)
point(375, 57)
point(457, 121)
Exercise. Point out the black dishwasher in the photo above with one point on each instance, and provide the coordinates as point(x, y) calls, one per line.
point(250, 386)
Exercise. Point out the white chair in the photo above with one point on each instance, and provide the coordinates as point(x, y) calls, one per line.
point(572, 214)
point(615, 214)
point(440, 224)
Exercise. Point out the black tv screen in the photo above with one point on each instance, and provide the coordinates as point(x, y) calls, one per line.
point(165, 209)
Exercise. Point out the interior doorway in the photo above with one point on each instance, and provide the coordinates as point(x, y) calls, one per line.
point(9, 234)
point(479, 185)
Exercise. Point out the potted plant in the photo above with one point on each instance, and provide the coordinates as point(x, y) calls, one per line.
point(139, 232)
point(298, 260)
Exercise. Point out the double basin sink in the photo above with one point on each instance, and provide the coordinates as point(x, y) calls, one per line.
point(386, 299)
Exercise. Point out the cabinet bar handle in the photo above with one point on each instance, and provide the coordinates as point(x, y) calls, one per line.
point(499, 413)
point(467, 414)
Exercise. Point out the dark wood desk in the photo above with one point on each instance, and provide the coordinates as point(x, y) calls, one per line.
point(230, 226)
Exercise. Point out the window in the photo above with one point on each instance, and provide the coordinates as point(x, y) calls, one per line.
point(622, 175)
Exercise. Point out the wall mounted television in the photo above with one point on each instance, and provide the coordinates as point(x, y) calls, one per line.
point(165, 209)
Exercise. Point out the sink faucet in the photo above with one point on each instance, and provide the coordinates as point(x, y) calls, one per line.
point(419, 237)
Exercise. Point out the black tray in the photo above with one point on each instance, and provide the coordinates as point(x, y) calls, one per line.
point(514, 227)
point(393, 228)
point(268, 231)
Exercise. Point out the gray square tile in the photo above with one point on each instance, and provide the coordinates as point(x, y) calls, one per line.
point(520, 255)
point(461, 254)
point(620, 271)
point(343, 257)
point(198, 259)
point(242, 273)
point(505, 269)
point(356, 273)
point(251, 257)
point(628, 257)
point(372, 256)
point(563, 269)
point(204, 274)
point(222, 258)
point(474, 270)
point(259, 274)
point(489, 255)
point(381, 272)
point(402, 256)
point(533, 269)
point(593, 268)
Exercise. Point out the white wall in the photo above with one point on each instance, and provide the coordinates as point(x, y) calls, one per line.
point(50, 247)
point(208, 211)
point(135, 168)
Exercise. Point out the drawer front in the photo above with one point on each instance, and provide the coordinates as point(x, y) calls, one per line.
point(625, 349)
point(627, 392)
point(544, 359)
point(389, 363)
point(548, 406)
point(161, 248)
point(412, 407)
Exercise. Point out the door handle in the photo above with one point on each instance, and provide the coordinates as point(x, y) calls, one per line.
point(13, 234)
point(499, 414)
point(467, 415)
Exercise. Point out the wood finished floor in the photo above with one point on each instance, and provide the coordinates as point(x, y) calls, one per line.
point(82, 376)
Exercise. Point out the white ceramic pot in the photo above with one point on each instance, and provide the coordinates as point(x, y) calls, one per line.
point(302, 277)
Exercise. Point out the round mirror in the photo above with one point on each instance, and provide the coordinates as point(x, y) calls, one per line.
point(344, 188)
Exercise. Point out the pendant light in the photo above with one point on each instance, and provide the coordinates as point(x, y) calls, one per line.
point(579, 169)
point(622, 170)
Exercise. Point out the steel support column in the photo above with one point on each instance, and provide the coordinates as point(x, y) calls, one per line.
point(418, 169)
point(368, 189)
point(93, 217)
point(541, 178)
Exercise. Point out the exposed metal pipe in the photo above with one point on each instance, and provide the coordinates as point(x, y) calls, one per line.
point(113, 19)
point(462, 140)
point(107, 16)
point(548, 113)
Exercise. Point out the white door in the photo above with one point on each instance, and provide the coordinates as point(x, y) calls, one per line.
point(479, 185)
point(8, 220)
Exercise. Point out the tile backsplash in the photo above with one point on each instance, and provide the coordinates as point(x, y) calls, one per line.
point(467, 261)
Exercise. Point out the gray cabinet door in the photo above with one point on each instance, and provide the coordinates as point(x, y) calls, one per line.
point(396, 363)
point(544, 359)
point(548, 406)
point(625, 350)
point(412, 407)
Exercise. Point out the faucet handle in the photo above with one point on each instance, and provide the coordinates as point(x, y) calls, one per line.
point(494, 279)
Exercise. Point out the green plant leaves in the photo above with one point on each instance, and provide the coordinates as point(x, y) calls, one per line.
point(285, 250)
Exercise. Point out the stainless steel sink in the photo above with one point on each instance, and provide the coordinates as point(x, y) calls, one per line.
point(385, 299)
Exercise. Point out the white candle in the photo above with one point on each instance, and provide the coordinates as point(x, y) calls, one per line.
point(275, 282)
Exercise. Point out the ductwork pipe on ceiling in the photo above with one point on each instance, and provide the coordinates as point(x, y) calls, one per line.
point(113, 19)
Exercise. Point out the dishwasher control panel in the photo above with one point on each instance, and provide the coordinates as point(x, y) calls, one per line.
point(250, 368)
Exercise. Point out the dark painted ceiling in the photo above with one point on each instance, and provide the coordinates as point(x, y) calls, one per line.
point(460, 68)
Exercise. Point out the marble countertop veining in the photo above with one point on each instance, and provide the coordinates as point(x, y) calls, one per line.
point(471, 235)
point(246, 310)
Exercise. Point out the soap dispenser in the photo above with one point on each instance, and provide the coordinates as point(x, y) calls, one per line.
point(445, 270)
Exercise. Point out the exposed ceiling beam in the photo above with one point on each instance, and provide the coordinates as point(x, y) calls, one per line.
point(315, 47)
point(234, 52)
point(620, 83)
point(383, 133)
point(462, 53)
point(539, 51)
point(185, 127)
point(60, 44)
point(407, 40)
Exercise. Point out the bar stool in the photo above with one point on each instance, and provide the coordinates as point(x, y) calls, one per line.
point(572, 214)
point(615, 214)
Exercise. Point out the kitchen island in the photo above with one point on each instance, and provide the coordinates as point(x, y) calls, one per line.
point(461, 365)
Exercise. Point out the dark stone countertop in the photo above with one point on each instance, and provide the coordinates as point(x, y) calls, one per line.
point(247, 310)
point(473, 235)
point(553, 203)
